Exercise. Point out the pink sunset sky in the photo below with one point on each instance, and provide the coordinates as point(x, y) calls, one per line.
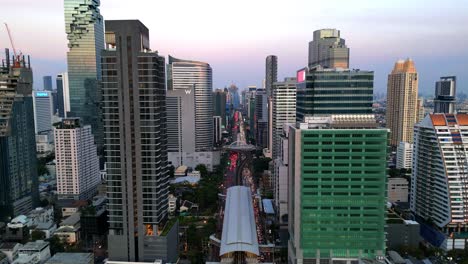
point(236, 36)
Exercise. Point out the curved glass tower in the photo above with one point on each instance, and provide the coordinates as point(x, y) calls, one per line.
point(186, 74)
point(85, 34)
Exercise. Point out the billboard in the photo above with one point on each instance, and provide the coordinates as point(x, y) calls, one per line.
point(42, 94)
point(301, 75)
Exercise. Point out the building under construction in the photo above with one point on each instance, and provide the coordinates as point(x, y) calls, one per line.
point(18, 168)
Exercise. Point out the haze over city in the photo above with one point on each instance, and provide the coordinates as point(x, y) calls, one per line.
point(236, 36)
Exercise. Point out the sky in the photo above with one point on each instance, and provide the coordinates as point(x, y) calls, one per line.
point(235, 37)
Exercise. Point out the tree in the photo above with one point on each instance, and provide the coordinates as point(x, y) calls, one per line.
point(56, 245)
point(37, 235)
point(202, 169)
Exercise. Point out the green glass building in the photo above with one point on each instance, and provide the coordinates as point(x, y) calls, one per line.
point(337, 189)
point(322, 92)
point(85, 34)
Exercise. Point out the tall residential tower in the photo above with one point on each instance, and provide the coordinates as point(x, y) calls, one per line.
point(271, 74)
point(439, 181)
point(134, 113)
point(402, 97)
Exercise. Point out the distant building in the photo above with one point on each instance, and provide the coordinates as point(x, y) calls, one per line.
point(322, 92)
point(172, 204)
point(337, 174)
point(45, 142)
point(439, 176)
point(18, 169)
point(404, 158)
point(43, 111)
point(261, 118)
point(63, 95)
point(420, 110)
point(283, 110)
point(219, 104)
point(397, 190)
point(271, 73)
point(445, 95)
point(47, 83)
point(402, 96)
point(77, 162)
point(218, 130)
point(328, 50)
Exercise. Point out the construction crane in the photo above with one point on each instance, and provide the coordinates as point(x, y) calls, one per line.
point(16, 61)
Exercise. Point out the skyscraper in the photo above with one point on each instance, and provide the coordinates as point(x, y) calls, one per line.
point(77, 162)
point(402, 96)
point(261, 118)
point(47, 83)
point(84, 28)
point(219, 104)
point(445, 95)
point(43, 111)
point(134, 112)
point(337, 189)
point(183, 74)
point(439, 180)
point(283, 110)
point(328, 50)
point(323, 92)
point(271, 74)
point(18, 164)
point(63, 98)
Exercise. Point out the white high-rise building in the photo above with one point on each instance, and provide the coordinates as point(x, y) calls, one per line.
point(439, 182)
point(404, 158)
point(283, 110)
point(77, 162)
point(43, 111)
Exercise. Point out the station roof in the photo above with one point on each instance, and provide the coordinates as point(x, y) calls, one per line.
point(239, 229)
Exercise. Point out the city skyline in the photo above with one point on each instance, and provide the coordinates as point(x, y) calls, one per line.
point(245, 43)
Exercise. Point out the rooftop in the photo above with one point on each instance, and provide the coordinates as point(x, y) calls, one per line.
point(239, 229)
point(71, 258)
point(71, 220)
point(37, 245)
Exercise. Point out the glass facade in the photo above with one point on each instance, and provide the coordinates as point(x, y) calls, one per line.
point(184, 74)
point(84, 28)
point(326, 92)
point(18, 164)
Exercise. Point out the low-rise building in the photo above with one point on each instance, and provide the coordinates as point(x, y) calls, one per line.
point(401, 232)
point(71, 258)
point(36, 252)
point(68, 231)
point(10, 250)
point(397, 190)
